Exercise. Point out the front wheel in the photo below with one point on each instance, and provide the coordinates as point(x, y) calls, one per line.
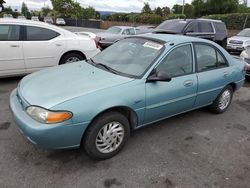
point(223, 101)
point(106, 135)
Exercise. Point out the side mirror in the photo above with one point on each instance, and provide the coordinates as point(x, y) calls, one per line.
point(158, 76)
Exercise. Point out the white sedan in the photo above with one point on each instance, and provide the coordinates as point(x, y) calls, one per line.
point(27, 46)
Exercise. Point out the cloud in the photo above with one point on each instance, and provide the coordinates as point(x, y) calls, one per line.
point(104, 5)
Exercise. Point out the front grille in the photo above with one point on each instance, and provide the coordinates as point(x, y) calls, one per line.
point(235, 42)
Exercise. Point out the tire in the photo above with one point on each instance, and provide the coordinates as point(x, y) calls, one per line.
point(219, 105)
point(248, 78)
point(93, 135)
point(74, 56)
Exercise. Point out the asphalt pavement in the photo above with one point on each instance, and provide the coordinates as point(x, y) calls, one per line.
point(195, 149)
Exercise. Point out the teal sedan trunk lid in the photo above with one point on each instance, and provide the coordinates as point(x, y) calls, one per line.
point(53, 86)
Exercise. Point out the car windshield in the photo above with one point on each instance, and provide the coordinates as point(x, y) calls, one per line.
point(113, 30)
point(244, 33)
point(60, 19)
point(175, 26)
point(130, 57)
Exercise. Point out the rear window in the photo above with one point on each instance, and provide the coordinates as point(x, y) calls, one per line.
point(40, 34)
point(220, 27)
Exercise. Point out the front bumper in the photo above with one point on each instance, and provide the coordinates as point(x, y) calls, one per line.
point(50, 136)
point(234, 48)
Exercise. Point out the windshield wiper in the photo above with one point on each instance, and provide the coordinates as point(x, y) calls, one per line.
point(104, 66)
point(108, 68)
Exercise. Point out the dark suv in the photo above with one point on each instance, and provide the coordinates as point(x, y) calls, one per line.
point(214, 30)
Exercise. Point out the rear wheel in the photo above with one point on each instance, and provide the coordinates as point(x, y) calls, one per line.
point(223, 101)
point(107, 135)
point(71, 58)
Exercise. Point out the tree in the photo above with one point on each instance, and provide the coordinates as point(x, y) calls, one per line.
point(1, 4)
point(24, 10)
point(67, 8)
point(165, 11)
point(158, 11)
point(205, 7)
point(146, 9)
point(45, 11)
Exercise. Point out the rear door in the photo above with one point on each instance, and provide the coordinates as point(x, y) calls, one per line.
point(42, 48)
point(11, 50)
point(213, 73)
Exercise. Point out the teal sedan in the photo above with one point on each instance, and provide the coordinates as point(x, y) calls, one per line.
point(135, 82)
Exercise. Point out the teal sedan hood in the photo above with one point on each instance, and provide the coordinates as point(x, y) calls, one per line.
point(56, 85)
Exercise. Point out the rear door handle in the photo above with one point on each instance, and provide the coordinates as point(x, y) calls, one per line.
point(14, 45)
point(58, 44)
point(188, 83)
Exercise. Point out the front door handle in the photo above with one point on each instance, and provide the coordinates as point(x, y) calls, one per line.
point(58, 44)
point(225, 74)
point(188, 83)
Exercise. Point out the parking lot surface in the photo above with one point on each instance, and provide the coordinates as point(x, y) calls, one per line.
point(195, 149)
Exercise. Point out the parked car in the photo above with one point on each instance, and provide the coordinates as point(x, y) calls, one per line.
point(133, 83)
point(239, 42)
point(7, 16)
point(21, 17)
point(116, 33)
point(48, 20)
point(245, 55)
point(27, 46)
point(60, 21)
point(214, 30)
point(35, 18)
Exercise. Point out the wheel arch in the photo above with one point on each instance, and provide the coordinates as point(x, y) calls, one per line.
point(233, 85)
point(129, 113)
point(72, 51)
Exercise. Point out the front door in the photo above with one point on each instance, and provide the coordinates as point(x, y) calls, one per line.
point(11, 50)
point(164, 99)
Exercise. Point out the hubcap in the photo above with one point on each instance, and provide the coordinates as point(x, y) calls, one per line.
point(109, 137)
point(72, 59)
point(225, 99)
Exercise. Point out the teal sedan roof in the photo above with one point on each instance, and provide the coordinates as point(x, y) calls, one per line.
point(173, 38)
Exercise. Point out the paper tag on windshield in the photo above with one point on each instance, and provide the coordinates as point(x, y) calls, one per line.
point(153, 45)
point(184, 22)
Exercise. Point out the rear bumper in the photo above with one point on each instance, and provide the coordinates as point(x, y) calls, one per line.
point(50, 136)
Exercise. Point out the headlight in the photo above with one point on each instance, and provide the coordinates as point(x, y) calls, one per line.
point(46, 116)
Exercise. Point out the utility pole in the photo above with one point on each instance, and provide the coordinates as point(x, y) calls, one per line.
point(183, 5)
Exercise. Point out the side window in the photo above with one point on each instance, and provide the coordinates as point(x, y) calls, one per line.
point(206, 27)
point(40, 34)
point(178, 62)
point(125, 32)
point(132, 31)
point(9, 32)
point(192, 28)
point(221, 61)
point(220, 27)
point(208, 58)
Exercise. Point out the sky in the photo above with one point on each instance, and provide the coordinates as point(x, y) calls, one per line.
point(101, 5)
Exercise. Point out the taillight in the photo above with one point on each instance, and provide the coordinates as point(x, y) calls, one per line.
point(97, 39)
point(246, 67)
